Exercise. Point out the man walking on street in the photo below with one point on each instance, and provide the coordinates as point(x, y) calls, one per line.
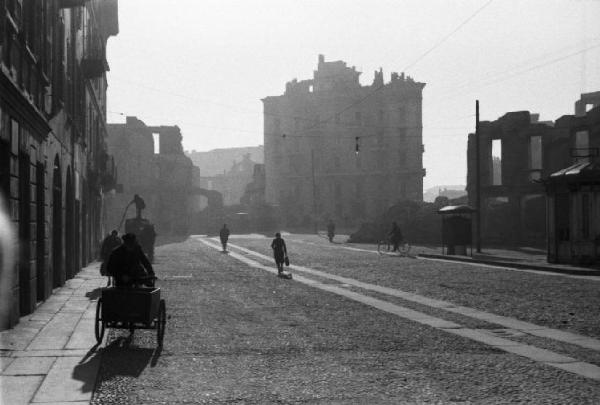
point(224, 235)
point(330, 230)
point(109, 244)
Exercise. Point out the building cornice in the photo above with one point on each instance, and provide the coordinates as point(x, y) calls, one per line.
point(20, 107)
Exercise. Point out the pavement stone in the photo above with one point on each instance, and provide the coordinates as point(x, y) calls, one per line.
point(51, 353)
point(47, 357)
point(83, 336)
point(56, 333)
point(17, 338)
point(544, 299)
point(531, 352)
point(30, 366)
point(68, 380)
point(17, 390)
point(499, 261)
point(533, 329)
point(5, 362)
point(239, 335)
point(588, 370)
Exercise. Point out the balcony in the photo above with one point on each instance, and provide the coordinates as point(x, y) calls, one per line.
point(94, 66)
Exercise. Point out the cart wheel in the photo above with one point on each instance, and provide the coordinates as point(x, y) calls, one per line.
point(100, 324)
point(161, 322)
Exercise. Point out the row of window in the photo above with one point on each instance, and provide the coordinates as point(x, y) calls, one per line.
point(398, 116)
point(535, 156)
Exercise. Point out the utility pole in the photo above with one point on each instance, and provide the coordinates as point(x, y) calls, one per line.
point(312, 167)
point(477, 180)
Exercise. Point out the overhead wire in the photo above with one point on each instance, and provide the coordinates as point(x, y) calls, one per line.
point(511, 73)
point(353, 104)
point(501, 76)
point(445, 38)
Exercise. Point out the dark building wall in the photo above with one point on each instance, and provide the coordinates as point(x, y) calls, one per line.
point(164, 179)
point(514, 212)
point(54, 166)
point(574, 193)
point(311, 166)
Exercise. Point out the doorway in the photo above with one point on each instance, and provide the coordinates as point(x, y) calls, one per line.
point(57, 233)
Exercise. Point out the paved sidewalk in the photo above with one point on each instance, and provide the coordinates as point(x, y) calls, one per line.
point(51, 356)
point(534, 259)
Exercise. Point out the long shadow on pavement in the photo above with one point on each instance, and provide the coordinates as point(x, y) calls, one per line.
point(131, 360)
point(94, 294)
point(87, 368)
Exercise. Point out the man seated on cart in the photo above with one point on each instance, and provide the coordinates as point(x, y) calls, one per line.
point(129, 265)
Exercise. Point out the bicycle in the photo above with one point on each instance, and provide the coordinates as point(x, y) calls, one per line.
point(386, 243)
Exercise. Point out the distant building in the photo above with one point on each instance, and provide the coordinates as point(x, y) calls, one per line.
point(150, 162)
point(337, 149)
point(218, 161)
point(449, 191)
point(451, 194)
point(254, 193)
point(517, 152)
point(232, 182)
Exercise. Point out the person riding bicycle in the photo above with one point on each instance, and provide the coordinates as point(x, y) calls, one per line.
point(330, 230)
point(395, 236)
point(129, 265)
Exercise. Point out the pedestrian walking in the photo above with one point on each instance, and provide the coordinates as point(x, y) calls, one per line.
point(110, 243)
point(395, 236)
point(224, 235)
point(330, 230)
point(279, 252)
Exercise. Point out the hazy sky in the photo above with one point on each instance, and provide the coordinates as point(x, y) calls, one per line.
point(205, 65)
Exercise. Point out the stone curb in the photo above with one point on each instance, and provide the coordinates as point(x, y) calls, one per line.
point(527, 266)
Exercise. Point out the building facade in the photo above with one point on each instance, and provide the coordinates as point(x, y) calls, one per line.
point(151, 163)
point(218, 161)
point(232, 182)
point(337, 149)
point(517, 153)
point(573, 192)
point(54, 165)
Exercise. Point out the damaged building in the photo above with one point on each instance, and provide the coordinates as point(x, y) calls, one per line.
point(337, 149)
point(151, 163)
point(54, 165)
point(517, 154)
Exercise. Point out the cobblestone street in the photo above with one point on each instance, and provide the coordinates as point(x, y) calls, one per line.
point(355, 327)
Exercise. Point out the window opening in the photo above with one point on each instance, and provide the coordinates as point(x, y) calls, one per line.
point(156, 138)
point(497, 162)
point(535, 157)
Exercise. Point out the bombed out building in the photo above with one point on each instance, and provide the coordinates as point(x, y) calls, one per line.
point(337, 149)
point(518, 153)
point(54, 165)
point(151, 163)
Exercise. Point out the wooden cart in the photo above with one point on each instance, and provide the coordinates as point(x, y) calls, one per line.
point(131, 308)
